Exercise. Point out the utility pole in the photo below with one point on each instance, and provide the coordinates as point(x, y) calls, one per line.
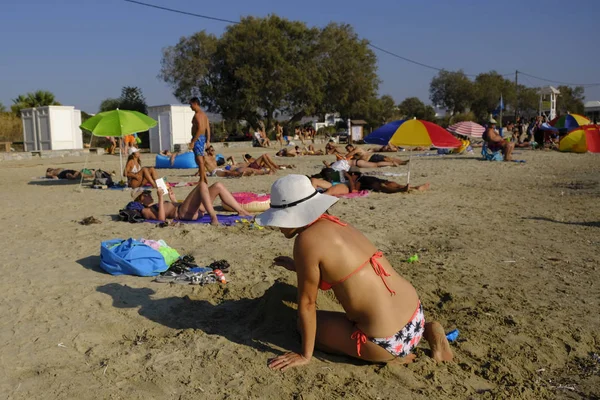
point(517, 94)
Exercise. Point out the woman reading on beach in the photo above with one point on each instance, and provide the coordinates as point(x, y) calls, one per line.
point(136, 174)
point(190, 209)
point(383, 317)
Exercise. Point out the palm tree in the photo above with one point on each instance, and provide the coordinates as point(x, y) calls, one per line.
point(39, 98)
point(2, 108)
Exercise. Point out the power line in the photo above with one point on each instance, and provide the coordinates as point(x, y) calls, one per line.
point(182, 12)
point(559, 82)
point(369, 44)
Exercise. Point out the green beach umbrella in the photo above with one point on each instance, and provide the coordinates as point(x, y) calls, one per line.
point(118, 123)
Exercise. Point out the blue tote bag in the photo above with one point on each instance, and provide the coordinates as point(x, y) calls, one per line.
point(131, 257)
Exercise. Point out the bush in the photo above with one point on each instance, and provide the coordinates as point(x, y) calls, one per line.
point(11, 127)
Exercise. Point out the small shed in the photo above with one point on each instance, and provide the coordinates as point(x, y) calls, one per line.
point(174, 127)
point(357, 129)
point(51, 128)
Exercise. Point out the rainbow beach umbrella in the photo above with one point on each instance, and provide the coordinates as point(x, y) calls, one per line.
point(581, 140)
point(569, 121)
point(413, 132)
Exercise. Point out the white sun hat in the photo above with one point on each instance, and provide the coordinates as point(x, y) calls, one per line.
point(294, 203)
point(133, 150)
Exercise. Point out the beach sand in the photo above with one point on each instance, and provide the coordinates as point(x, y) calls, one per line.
point(509, 255)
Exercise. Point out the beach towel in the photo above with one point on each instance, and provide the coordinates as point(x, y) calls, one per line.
point(362, 193)
point(224, 219)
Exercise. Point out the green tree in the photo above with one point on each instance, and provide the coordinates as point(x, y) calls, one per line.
point(187, 67)
point(413, 107)
point(131, 98)
point(39, 98)
point(381, 111)
point(451, 90)
point(2, 108)
point(348, 68)
point(488, 88)
point(570, 100)
point(109, 104)
point(266, 65)
point(528, 101)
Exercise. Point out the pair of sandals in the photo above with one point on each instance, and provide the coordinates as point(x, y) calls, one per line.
point(185, 271)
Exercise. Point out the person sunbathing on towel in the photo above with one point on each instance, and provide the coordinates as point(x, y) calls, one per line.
point(226, 171)
point(264, 161)
point(383, 319)
point(71, 174)
point(190, 209)
point(365, 159)
point(356, 181)
point(388, 148)
point(495, 142)
point(289, 152)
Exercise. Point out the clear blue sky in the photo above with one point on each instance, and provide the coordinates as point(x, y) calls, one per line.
point(86, 50)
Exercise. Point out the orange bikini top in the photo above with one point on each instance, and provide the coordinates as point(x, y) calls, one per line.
point(377, 267)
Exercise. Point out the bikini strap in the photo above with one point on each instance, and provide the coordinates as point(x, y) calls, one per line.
point(379, 270)
point(330, 218)
point(360, 338)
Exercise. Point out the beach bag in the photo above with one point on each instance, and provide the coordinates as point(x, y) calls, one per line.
point(103, 178)
point(131, 257)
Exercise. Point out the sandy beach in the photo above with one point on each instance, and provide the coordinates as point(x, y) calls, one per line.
point(508, 254)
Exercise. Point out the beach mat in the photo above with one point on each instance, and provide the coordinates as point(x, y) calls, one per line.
point(362, 193)
point(224, 219)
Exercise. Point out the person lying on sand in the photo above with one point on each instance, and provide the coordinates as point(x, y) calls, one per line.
point(264, 161)
point(310, 151)
point(388, 148)
point(289, 152)
point(495, 142)
point(61, 173)
point(229, 171)
point(190, 209)
point(356, 181)
point(376, 160)
point(383, 319)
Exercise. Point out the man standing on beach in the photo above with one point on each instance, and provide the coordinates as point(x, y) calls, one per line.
point(201, 140)
point(200, 136)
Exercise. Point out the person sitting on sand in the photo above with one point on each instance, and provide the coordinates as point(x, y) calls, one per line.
point(71, 174)
point(190, 209)
point(388, 148)
point(356, 181)
point(136, 174)
point(495, 142)
point(383, 318)
point(229, 171)
point(331, 148)
point(264, 161)
point(375, 160)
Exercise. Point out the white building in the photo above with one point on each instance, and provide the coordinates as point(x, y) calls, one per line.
point(592, 110)
point(330, 120)
point(51, 128)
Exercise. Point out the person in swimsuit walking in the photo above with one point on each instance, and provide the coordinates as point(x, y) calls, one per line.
point(383, 318)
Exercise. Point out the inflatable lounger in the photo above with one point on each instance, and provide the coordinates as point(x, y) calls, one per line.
point(182, 161)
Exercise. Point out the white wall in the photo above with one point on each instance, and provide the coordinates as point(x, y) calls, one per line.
point(52, 128)
point(180, 130)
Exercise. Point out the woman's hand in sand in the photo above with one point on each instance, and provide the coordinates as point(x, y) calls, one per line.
point(285, 262)
point(288, 360)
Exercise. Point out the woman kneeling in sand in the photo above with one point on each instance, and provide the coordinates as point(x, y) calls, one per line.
point(190, 209)
point(383, 317)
